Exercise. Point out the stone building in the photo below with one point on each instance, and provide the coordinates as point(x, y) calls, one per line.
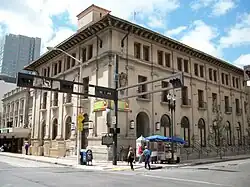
point(16, 118)
point(211, 85)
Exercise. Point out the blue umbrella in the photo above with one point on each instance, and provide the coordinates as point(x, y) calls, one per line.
point(177, 140)
point(157, 138)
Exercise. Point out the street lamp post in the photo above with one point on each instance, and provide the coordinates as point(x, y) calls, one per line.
point(78, 139)
point(171, 104)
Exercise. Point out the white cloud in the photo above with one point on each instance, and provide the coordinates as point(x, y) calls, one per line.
point(243, 60)
point(175, 31)
point(155, 22)
point(200, 36)
point(60, 35)
point(219, 7)
point(238, 34)
point(33, 18)
point(197, 4)
point(222, 7)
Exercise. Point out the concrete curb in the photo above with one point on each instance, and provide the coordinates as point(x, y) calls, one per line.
point(136, 167)
point(207, 162)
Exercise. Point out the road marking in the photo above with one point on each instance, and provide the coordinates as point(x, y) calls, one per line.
point(187, 180)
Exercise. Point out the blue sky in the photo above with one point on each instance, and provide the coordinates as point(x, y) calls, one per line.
point(218, 27)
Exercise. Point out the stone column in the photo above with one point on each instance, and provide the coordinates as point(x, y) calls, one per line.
point(48, 116)
point(37, 111)
point(60, 117)
point(18, 111)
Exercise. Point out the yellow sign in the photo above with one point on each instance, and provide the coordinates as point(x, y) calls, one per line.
point(80, 126)
point(80, 118)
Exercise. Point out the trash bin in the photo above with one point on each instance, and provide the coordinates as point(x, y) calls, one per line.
point(83, 159)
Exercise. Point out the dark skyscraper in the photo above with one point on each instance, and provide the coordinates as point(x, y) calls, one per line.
point(16, 51)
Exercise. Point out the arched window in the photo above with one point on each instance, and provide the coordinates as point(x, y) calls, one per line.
point(54, 129)
point(43, 132)
point(239, 133)
point(165, 125)
point(202, 132)
point(185, 130)
point(68, 123)
point(216, 134)
point(228, 133)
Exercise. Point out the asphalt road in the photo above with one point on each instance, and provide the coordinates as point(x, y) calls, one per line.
point(22, 173)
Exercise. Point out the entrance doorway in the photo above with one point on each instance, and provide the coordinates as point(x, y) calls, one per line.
point(142, 125)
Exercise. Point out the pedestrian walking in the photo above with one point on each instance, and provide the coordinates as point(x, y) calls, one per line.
point(128, 152)
point(140, 153)
point(26, 146)
point(131, 157)
point(147, 154)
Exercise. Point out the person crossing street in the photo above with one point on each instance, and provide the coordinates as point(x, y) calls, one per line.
point(147, 155)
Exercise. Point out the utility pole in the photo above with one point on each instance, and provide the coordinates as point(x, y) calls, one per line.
point(116, 110)
point(171, 105)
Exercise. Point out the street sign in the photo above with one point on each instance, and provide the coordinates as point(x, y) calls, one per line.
point(107, 140)
point(105, 93)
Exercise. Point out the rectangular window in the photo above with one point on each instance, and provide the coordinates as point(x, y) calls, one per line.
point(233, 81)
point(201, 98)
point(179, 64)
point(146, 53)
point(44, 72)
point(202, 71)
point(226, 98)
point(160, 57)
point(48, 72)
point(214, 102)
point(186, 65)
point(210, 73)
point(227, 80)
point(137, 50)
point(196, 71)
point(73, 60)
point(90, 52)
point(164, 93)
point(59, 66)
point(237, 106)
point(84, 55)
point(55, 69)
point(184, 95)
point(142, 88)
point(237, 83)
point(222, 78)
point(86, 86)
point(167, 59)
point(68, 63)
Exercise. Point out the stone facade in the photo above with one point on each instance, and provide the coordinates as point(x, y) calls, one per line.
point(211, 85)
point(17, 108)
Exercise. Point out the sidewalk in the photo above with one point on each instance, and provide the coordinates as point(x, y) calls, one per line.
point(105, 165)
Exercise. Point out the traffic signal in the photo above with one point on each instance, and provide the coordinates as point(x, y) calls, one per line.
point(25, 80)
point(85, 118)
point(66, 86)
point(176, 83)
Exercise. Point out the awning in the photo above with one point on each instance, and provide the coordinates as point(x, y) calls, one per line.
point(16, 132)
